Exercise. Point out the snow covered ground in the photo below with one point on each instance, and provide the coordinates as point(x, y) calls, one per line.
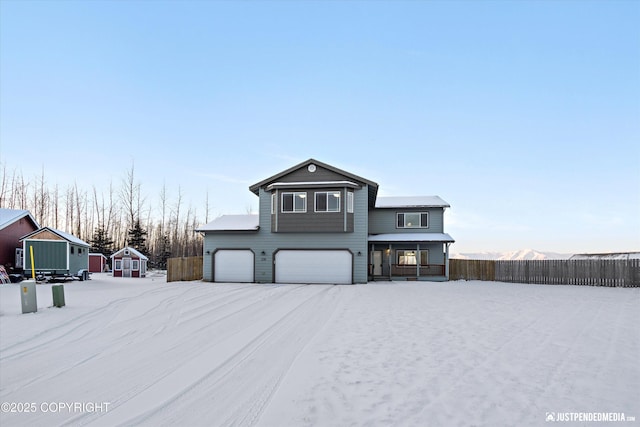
point(147, 352)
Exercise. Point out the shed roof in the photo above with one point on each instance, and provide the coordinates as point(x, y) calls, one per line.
point(9, 216)
point(411, 237)
point(411, 202)
point(133, 251)
point(249, 222)
point(66, 236)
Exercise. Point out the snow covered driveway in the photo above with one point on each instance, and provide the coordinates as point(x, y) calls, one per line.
point(146, 352)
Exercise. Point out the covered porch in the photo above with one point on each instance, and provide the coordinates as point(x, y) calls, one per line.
point(409, 256)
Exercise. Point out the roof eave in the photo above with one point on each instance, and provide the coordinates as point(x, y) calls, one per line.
point(255, 188)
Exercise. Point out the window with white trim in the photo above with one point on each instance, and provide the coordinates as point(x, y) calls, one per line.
point(410, 257)
point(294, 202)
point(118, 265)
point(273, 203)
point(327, 201)
point(412, 220)
point(135, 264)
point(349, 201)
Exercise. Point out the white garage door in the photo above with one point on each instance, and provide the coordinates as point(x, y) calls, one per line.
point(233, 266)
point(314, 267)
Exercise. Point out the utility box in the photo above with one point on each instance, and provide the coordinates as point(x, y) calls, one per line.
point(58, 295)
point(28, 296)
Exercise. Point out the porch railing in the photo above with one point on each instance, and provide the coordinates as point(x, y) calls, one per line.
point(412, 270)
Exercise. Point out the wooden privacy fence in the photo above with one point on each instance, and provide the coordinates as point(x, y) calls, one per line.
point(184, 269)
point(472, 269)
point(624, 273)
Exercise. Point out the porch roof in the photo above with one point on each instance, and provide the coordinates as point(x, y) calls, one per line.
point(411, 237)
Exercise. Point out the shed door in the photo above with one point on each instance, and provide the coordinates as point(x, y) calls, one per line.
point(316, 266)
point(126, 267)
point(232, 265)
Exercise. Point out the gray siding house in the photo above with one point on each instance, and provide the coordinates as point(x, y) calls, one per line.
point(320, 224)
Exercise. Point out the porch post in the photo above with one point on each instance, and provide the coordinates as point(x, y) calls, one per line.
point(418, 259)
point(390, 255)
point(446, 261)
point(370, 266)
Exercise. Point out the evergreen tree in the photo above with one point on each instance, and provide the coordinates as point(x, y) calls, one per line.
point(164, 251)
point(101, 242)
point(138, 238)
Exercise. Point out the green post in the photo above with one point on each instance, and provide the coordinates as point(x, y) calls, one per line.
point(58, 295)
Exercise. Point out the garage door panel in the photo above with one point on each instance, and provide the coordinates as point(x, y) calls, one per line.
point(234, 266)
point(314, 266)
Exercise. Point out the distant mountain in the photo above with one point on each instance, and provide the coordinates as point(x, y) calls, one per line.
point(523, 254)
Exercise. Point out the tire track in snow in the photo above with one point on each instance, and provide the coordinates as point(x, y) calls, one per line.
point(106, 339)
point(220, 374)
point(57, 331)
point(71, 336)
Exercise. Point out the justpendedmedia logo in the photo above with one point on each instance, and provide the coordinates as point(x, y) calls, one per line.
point(612, 417)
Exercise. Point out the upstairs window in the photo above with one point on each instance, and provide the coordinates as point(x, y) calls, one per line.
point(328, 201)
point(413, 220)
point(273, 203)
point(294, 202)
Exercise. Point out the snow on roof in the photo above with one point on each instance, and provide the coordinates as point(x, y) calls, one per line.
point(411, 237)
point(9, 216)
point(133, 251)
point(411, 201)
point(312, 184)
point(97, 254)
point(232, 223)
point(69, 237)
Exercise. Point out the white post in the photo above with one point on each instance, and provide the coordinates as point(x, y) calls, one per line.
point(446, 261)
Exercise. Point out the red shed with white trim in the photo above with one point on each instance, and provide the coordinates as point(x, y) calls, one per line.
point(128, 262)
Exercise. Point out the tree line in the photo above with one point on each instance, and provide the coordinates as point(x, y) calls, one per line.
point(112, 219)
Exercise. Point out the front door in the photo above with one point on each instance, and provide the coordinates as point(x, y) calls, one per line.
point(126, 267)
point(377, 263)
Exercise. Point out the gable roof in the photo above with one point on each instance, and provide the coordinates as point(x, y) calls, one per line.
point(373, 187)
point(66, 236)
point(133, 251)
point(248, 222)
point(411, 202)
point(9, 216)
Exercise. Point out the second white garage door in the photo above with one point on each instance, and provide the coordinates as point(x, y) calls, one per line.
point(233, 266)
point(335, 266)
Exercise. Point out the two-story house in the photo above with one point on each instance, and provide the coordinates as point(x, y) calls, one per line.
point(320, 224)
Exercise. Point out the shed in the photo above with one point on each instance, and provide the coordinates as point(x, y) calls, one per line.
point(128, 262)
point(97, 262)
point(14, 223)
point(55, 253)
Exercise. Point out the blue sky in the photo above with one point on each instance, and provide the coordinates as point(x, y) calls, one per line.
point(524, 116)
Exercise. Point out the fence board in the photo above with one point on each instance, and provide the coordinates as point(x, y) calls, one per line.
point(184, 269)
point(611, 273)
point(471, 270)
